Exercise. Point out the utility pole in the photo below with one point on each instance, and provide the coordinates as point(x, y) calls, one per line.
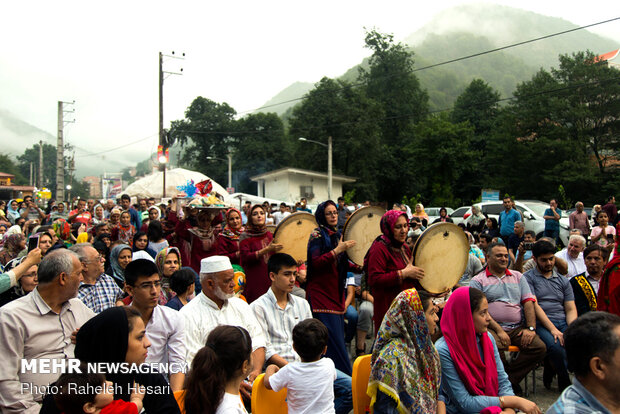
point(40, 165)
point(60, 151)
point(163, 141)
point(30, 173)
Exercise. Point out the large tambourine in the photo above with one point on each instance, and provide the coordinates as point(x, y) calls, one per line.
point(442, 251)
point(363, 226)
point(271, 228)
point(293, 233)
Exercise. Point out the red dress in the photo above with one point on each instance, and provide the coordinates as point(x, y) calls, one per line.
point(383, 263)
point(225, 246)
point(120, 407)
point(199, 247)
point(608, 299)
point(257, 280)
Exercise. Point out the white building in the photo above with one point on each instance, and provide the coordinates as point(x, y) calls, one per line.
point(291, 184)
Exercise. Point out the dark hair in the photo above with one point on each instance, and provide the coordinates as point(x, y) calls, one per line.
point(137, 236)
point(125, 212)
point(44, 229)
point(154, 231)
point(227, 348)
point(75, 390)
point(283, 204)
point(594, 247)
point(589, 336)
point(475, 298)
point(530, 232)
point(495, 244)
point(610, 198)
point(340, 198)
point(493, 221)
point(125, 197)
point(310, 339)
point(426, 299)
point(139, 268)
point(507, 197)
point(542, 247)
point(182, 279)
point(278, 261)
point(487, 237)
point(132, 313)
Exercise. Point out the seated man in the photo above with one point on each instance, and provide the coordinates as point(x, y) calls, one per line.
point(573, 255)
point(217, 305)
point(555, 310)
point(39, 325)
point(509, 296)
point(98, 291)
point(164, 325)
point(278, 311)
point(593, 351)
point(585, 286)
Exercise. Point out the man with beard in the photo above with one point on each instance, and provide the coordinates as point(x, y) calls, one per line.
point(217, 305)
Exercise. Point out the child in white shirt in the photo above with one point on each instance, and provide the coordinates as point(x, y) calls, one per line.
point(309, 383)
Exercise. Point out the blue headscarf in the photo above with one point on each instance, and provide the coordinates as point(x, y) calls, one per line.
point(117, 271)
point(11, 214)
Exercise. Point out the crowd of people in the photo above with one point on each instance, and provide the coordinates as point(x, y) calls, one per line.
point(158, 284)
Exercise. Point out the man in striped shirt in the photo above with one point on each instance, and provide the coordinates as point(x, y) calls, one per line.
point(511, 305)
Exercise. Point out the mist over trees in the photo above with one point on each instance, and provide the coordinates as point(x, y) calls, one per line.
point(559, 128)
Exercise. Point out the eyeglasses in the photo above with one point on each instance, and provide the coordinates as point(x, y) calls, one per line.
point(149, 285)
point(331, 213)
point(99, 258)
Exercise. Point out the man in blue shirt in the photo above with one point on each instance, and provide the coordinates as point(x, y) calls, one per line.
point(593, 351)
point(552, 220)
point(507, 219)
point(555, 310)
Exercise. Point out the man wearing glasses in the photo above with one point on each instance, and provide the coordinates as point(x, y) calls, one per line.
point(164, 326)
point(98, 291)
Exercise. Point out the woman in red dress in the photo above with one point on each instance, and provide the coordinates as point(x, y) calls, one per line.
point(388, 263)
point(228, 239)
point(255, 249)
point(201, 237)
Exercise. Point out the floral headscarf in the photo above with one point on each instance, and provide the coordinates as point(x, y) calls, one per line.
point(160, 259)
point(62, 228)
point(405, 364)
point(117, 271)
point(11, 247)
point(388, 221)
point(252, 230)
point(228, 232)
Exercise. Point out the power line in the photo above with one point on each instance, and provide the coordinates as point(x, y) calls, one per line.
point(449, 61)
point(119, 147)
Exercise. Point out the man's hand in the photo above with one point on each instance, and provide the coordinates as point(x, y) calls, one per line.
point(504, 339)
point(252, 376)
point(521, 249)
point(74, 336)
point(558, 336)
point(527, 337)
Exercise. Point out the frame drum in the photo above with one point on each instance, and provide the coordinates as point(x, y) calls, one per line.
point(363, 226)
point(271, 228)
point(442, 251)
point(293, 234)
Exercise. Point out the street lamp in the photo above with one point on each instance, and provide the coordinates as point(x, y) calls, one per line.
point(329, 162)
point(229, 156)
point(69, 195)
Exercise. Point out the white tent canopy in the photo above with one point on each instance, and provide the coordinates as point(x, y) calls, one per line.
point(238, 199)
point(151, 185)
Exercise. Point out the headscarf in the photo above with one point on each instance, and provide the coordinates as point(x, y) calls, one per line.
point(252, 230)
point(160, 259)
point(117, 271)
point(476, 216)
point(11, 214)
point(388, 221)
point(405, 364)
point(608, 299)
point(457, 326)
point(82, 238)
point(97, 220)
point(156, 209)
point(11, 247)
point(141, 254)
point(230, 233)
point(152, 253)
point(62, 228)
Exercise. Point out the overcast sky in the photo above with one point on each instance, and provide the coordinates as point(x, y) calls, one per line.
point(104, 56)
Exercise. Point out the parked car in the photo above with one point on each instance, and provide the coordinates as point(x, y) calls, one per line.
point(532, 212)
point(433, 213)
point(460, 214)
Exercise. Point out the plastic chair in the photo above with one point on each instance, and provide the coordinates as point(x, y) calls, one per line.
point(359, 384)
point(515, 349)
point(266, 401)
point(180, 397)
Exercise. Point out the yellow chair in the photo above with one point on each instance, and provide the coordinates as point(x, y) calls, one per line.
point(266, 401)
point(180, 397)
point(359, 385)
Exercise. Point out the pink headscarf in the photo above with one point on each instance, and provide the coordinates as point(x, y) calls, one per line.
point(388, 220)
point(457, 326)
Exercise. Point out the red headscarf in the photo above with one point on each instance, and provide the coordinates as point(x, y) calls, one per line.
point(388, 221)
point(457, 326)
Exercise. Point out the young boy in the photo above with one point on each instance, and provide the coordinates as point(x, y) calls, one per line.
point(92, 394)
point(310, 383)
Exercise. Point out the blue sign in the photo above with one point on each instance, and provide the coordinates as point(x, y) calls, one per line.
point(490, 195)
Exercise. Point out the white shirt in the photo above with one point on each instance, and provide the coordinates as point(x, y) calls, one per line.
point(278, 216)
point(575, 266)
point(310, 386)
point(231, 404)
point(201, 315)
point(166, 333)
point(595, 283)
point(278, 323)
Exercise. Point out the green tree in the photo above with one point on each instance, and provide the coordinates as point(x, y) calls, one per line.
point(478, 105)
point(336, 109)
point(8, 166)
point(31, 155)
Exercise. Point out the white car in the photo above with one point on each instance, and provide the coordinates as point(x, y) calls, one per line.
point(532, 212)
point(460, 214)
point(433, 213)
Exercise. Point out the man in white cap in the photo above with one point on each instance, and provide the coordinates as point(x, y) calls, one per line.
point(217, 305)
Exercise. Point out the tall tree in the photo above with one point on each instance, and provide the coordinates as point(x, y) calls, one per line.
point(8, 166)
